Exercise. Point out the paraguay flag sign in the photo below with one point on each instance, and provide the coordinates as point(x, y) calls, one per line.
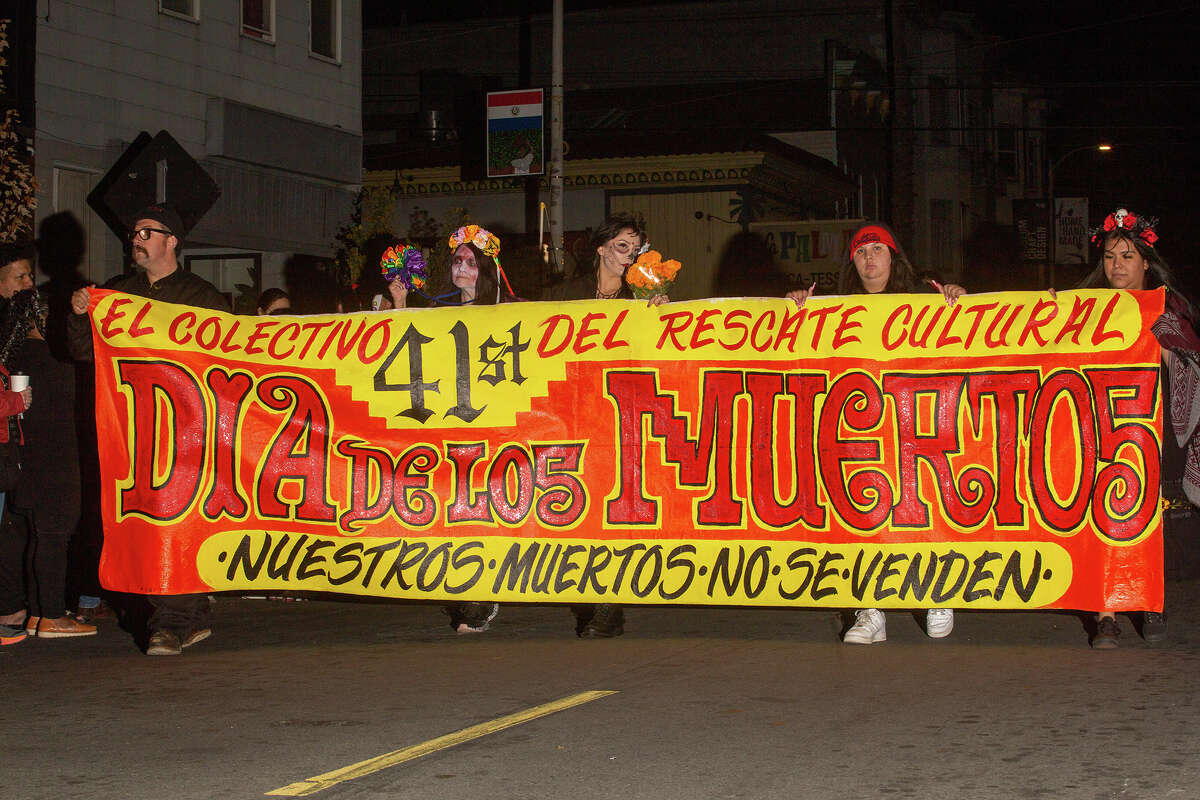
point(514, 133)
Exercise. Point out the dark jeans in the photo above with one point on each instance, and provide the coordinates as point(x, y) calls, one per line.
point(42, 557)
point(179, 613)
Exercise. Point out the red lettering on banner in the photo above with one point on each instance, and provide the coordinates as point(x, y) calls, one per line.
point(299, 452)
point(841, 337)
point(173, 332)
point(703, 326)
point(979, 312)
point(280, 354)
point(1009, 393)
point(226, 345)
point(136, 329)
point(467, 505)
point(1072, 386)
point(563, 497)
point(372, 483)
point(110, 318)
point(674, 324)
point(767, 432)
point(967, 498)
point(888, 343)
point(1123, 501)
point(1101, 335)
point(1035, 323)
point(259, 332)
point(863, 498)
point(414, 503)
point(551, 325)
point(180, 448)
point(945, 339)
point(586, 331)
point(636, 394)
point(611, 342)
point(731, 324)
point(230, 391)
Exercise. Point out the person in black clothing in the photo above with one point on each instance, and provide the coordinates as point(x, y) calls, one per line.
point(46, 502)
point(177, 621)
point(618, 242)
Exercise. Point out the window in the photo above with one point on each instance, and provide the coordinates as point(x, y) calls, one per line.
point(188, 9)
point(258, 19)
point(939, 111)
point(324, 28)
point(1006, 152)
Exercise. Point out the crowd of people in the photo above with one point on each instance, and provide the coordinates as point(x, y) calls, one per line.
point(40, 461)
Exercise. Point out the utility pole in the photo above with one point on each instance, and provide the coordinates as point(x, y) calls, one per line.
point(556, 139)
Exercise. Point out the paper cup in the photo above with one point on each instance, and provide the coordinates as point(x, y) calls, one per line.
point(18, 382)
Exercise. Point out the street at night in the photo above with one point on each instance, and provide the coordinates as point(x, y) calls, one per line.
point(705, 703)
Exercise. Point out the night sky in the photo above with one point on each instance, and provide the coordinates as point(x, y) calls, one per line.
point(1121, 73)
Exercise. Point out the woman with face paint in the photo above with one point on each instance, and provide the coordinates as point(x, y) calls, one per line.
point(878, 265)
point(1129, 260)
point(618, 241)
point(474, 278)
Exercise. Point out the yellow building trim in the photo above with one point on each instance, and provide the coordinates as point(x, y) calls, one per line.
point(650, 172)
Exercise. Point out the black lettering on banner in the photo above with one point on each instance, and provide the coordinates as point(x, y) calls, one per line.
point(462, 375)
point(376, 553)
point(544, 570)
point(274, 569)
point(625, 554)
point(914, 582)
point(439, 555)
point(970, 593)
point(1012, 574)
point(653, 554)
point(860, 579)
point(566, 566)
point(414, 340)
point(308, 568)
point(347, 554)
point(825, 571)
point(594, 567)
point(411, 554)
point(760, 562)
point(489, 358)
point(677, 559)
point(885, 572)
point(798, 559)
point(946, 562)
point(516, 567)
point(462, 559)
point(720, 569)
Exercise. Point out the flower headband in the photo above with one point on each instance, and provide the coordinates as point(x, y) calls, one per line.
point(404, 263)
point(1123, 220)
point(872, 233)
point(488, 243)
point(483, 239)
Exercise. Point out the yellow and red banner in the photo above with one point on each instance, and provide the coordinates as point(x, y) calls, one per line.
point(888, 451)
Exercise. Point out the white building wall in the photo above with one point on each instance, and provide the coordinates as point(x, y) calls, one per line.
point(109, 69)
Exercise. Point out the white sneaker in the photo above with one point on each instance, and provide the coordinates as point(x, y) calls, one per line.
point(870, 626)
point(939, 622)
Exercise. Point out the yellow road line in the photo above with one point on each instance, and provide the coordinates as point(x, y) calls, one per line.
point(371, 765)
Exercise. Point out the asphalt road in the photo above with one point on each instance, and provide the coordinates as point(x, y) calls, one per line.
point(707, 703)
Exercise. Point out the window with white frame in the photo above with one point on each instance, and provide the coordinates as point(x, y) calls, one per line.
point(258, 19)
point(189, 9)
point(325, 28)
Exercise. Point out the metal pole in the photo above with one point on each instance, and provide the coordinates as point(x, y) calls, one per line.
point(556, 138)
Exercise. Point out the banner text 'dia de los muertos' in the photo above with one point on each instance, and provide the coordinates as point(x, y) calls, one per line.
point(890, 451)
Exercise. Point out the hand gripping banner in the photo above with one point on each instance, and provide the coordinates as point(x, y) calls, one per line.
point(887, 451)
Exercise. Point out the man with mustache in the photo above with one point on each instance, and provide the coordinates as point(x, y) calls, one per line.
point(177, 621)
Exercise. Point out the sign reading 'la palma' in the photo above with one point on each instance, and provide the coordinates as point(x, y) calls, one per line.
point(884, 450)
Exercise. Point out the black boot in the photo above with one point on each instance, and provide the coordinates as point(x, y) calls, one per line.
point(606, 621)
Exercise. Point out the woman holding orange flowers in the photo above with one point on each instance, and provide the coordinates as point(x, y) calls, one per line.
point(878, 265)
point(618, 242)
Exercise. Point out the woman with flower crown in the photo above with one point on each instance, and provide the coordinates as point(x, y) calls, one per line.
point(878, 265)
point(475, 278)
point(1130, 260)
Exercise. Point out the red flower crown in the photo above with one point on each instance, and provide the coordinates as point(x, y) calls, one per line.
point(1135, 224)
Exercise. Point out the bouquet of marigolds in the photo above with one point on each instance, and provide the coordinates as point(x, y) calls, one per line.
point(650, 275)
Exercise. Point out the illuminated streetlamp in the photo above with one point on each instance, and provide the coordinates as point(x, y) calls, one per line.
point(1050, 254)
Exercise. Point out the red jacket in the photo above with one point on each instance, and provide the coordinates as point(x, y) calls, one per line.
point(10, 403)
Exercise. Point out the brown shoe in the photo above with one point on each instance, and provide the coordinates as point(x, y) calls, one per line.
point(163, 643)
point(96, 614)
point(61, 627)
point(198, 635)
point(31, 625)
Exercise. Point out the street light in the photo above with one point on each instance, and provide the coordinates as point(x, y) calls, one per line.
point(1050, 254)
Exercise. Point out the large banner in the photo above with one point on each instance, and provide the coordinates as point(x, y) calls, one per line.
point(887, 451)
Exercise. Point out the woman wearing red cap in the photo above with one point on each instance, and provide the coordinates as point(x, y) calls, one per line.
point(878, 265)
